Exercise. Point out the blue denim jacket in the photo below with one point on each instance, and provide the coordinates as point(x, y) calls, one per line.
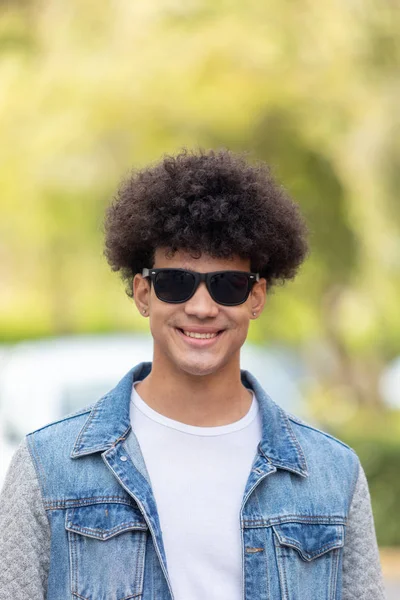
point(106, 540)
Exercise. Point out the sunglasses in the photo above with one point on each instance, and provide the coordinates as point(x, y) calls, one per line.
point(229, 288)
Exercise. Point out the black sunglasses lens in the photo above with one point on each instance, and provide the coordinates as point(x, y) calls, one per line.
point(229, 288)
point(173, 285)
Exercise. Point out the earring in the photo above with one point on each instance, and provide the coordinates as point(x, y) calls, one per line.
point(254, 314)
point(144, 311)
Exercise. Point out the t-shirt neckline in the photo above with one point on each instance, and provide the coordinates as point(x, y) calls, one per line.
point(152, 414)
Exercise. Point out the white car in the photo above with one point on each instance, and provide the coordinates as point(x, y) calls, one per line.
point(42, 381)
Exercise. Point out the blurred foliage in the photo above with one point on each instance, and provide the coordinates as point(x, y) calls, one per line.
point(381, 464)
point(89, 91)
point(375, 436)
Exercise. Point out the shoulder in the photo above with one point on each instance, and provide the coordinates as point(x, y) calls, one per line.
point(327, 457)
point(69, 421)
point(21, 485)
point(306, 430)
point(55, 439)
point(20, 463)
point(50, 449)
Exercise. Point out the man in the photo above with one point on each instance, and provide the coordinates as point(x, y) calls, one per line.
point(187, 481)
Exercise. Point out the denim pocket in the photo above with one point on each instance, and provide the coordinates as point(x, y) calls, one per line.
point(107, 544)
point(308, 556)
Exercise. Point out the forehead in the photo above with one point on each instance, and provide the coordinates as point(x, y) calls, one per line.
point(183, 259)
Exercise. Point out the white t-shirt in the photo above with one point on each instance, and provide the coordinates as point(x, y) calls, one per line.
point(198, 476)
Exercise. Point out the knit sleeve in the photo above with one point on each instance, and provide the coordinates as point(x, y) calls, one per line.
point(362, 573)
point(24, 532)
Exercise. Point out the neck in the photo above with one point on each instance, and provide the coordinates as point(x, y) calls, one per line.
point(206, 401)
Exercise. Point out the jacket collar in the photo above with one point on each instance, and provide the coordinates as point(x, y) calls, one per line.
point(109, 421)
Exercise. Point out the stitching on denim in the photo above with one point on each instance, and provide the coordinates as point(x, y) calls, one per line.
point(74, 571)
point(88, 501)
point(112, 531)
point(332, 543)
point(100, 448)
point(122, 437)
point(66, 418)
point(326, 434)
point(80, 441)
point(85, 426)
point(354, 483)
point(267, 566)
point(295, 441)
point(295, 445)
point(300, 517)
point(124, 598)
point(320, 519)
point(81, 411)
point(243, 561)
point(308, 555)
point(37, 463)
point(292, 543)
point(37, 467)
point(287, 466)
point(282, 573)
point(74, 563)
point(334, 574)
point(140, 563)
point(255, 494)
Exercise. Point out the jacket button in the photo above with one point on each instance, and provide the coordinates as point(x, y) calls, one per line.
point(123, 458)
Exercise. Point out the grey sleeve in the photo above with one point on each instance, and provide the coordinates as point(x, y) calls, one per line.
point(24, 532)
point(362, 573)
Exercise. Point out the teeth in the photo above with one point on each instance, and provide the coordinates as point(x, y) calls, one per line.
point(200, 335)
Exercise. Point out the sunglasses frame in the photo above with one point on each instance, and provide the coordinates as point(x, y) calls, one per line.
point(198, 278)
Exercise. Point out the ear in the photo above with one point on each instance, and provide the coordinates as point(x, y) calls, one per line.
point(141, 292)
point(258, 296)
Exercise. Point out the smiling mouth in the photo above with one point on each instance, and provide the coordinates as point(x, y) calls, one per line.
point(208, 339)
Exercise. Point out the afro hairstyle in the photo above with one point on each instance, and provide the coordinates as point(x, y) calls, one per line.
point(212, 202)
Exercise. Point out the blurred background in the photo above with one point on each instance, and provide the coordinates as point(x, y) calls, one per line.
point(90, 90)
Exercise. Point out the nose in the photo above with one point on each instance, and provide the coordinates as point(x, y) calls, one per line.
point(201, 304)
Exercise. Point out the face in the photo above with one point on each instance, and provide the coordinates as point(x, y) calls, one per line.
point(200, 313)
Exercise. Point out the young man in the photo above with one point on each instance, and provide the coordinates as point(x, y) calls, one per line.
point(187, 481)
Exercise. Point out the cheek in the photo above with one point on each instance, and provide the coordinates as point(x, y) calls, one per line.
point(244, 328)
point(160, 320)
point(240, 318)
point(244, 324)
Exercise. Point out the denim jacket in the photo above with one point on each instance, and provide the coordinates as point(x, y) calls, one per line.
point(106, 540)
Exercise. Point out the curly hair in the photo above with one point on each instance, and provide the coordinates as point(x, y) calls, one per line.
point(211, 202)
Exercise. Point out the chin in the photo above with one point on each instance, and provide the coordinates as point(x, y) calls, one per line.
point(198, 369)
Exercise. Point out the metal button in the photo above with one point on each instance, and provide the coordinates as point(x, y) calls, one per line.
point(123, 458)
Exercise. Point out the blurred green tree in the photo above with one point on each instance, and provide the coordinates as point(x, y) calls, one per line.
point(87, 93)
